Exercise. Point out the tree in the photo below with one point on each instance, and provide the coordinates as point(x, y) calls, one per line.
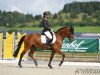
point(29, 17)
point(55, 16)
point(73, 15)
point(0, 11)
point(85, 17)
point(66, 8)
point(37, 17)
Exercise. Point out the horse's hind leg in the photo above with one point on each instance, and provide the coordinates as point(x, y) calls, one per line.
point(51, 57)
point(32, 50)
point(21, 56)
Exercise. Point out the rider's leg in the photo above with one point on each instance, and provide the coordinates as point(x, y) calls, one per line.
point(49, 38)
point(48, 34)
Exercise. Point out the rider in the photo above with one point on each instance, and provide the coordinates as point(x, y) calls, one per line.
point(47, 31)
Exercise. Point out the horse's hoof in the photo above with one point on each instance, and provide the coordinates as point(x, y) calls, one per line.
point(36, 64)
point(50, 66)
point(60, 64)
point(20, 65)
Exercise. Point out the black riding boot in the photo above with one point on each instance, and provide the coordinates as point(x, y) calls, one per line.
point(47, 45)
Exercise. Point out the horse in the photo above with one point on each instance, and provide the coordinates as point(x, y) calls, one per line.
point(33, 41)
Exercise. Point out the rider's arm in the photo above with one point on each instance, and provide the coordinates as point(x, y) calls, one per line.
point(46, 25)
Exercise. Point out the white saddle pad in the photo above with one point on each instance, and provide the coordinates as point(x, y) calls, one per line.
point(43, 38)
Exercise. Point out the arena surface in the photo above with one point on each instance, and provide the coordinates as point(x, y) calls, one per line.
point(68, 68)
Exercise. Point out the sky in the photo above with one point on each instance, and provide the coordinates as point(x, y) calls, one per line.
point(35, 7)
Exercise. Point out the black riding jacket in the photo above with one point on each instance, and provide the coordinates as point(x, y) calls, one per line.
point(46, 25)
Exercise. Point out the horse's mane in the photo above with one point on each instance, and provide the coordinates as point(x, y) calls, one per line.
point(61, 29)
point(71, 29)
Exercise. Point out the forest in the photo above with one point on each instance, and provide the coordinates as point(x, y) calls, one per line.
point(76, 13)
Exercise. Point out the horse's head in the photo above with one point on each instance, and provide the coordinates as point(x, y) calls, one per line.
point(71, 34)
point(67, 32)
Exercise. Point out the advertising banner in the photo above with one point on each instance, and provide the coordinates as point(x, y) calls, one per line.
point(81, 45)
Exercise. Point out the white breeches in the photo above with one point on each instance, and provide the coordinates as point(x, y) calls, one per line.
point(48, 34)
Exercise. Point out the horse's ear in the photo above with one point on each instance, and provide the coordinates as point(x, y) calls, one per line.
point(72, 29)
point(65, 26)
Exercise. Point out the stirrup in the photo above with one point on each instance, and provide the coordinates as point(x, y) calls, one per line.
point(47, 46)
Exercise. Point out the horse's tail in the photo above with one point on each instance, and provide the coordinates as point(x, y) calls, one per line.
point(19, 45)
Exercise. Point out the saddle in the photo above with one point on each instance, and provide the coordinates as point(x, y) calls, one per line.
point(44, 38)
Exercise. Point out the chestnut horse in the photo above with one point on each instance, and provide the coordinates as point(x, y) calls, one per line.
point(33, 41)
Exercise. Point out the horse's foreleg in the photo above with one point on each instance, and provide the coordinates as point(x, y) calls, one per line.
point(21, 56)
point(52, 55)
point(31, 55)
point(63, 56)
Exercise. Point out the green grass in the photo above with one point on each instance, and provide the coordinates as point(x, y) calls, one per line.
point(94, 29)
